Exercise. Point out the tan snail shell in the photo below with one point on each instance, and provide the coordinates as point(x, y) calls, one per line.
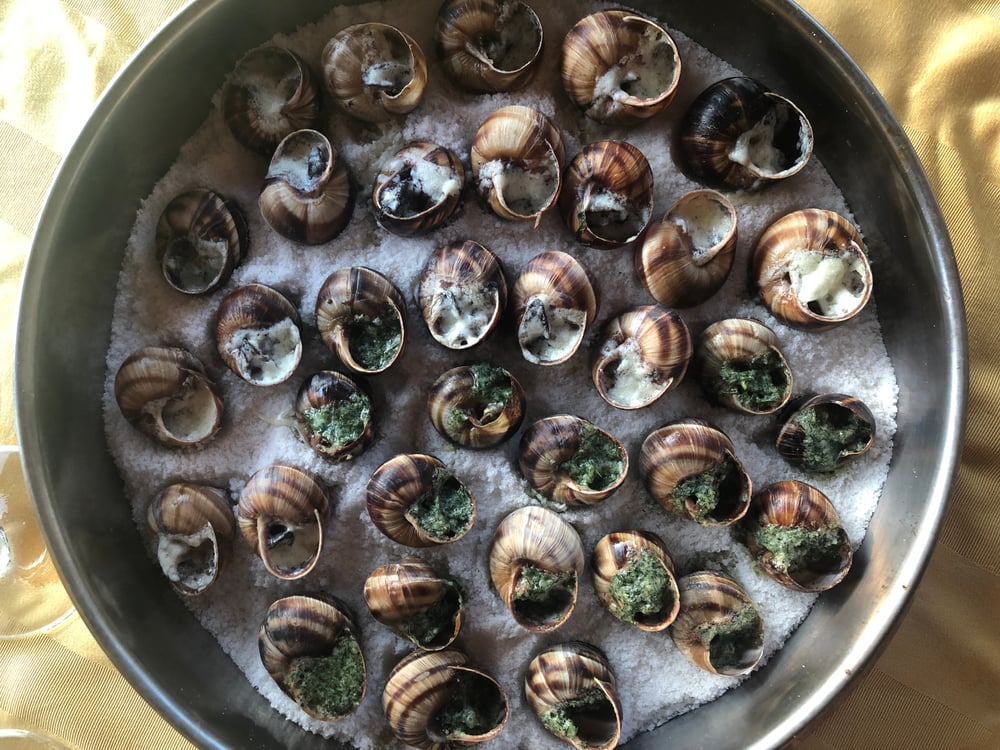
point(619, 67)
point(257, 334)
point(718, 627)
point(396, 593)
point(685, 256)
point(193, 527)
point(374, 71)
point(644, 352)
point(166, 393)
point(302, 640)
point(737, 135)
point(476, 406)
point(360, 315)
point(825, 431)
point(741, 366)
point(572, 685)
point(334, 415)
point(418, 189)
point(691, 469)
point(634, 577)
point(270, 93)
point(428, 696)
point(607, 194)
point(281, 513)
point(200, 238)
point(536, 560)
point(554, 301)
point(308, 195)
point(571, 460)
point(415, 500)
point(811, 269)
point(794, 533)
point(516, 157)
point(462, 294)
point(488, 46)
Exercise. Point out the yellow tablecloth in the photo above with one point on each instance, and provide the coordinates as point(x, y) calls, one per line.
point(937, 684)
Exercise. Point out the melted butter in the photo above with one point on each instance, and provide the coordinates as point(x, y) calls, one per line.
point(830, 285)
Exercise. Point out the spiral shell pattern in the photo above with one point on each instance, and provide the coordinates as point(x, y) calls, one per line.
point(463, 410)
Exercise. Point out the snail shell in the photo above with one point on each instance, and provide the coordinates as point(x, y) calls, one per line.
point(374, 71)
point(811, 269)
point(737, 135)
point(741, 366)
point(476, 406)
point(308, 195)
point(634, 577)
point(607, 194)
point(572, 690)
point(257, 334)
point(691, 469)
point(308, 641)
point(194, 527)
point(415, 500)
point(572, 461)
point(825, 431)
point(517, 156)
point(462, 294)
point(413, 601)
point(429, 698)
point(686, 256)
point(281, 514)
point(360, 316)
point(536, 561)
point(334, 415)
point(619, 67)
point(488, 46)
point(554, 302)
point(269, 94)
point(418, 189)
point(200, 238)
point(644, 353)
point(794, 533)
point(166, 393)
point(718, 627)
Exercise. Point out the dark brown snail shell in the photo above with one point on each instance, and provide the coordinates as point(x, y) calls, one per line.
point(418, 189)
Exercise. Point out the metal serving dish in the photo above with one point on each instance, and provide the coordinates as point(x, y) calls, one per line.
point(134, 136)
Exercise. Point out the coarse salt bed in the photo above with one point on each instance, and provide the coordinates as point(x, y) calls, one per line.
point(255, 431)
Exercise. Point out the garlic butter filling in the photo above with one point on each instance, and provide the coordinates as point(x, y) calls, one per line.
point(266, 355)
point(829, 285)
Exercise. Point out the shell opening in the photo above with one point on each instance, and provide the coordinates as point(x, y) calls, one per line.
point(290, 548)
point(797, 549)
point(264, 356)
point(461, 315)
point(713, 495)
point(540, 596)
point(778, 143)
point(829, 284)
point(435, 626)
point(417, 187)
point(647, 71)
point(589, 720)
point(598, 461)
point(707, 222)
point(328, 686)
point(269, 79)
point(476, 706)
point(374, 341)
point(831, 432)
point(302, 163)
point(548, 334)
point(189, 560)
point(341, 422)
point(514, 40)
point(191, 414)
point(733, 642)
point(612, 216)
point(195, 264)
point(759, 383)
point(627, 379)
point(390, 75)
point(643, 590)
point(526, 189)
point(446, 511)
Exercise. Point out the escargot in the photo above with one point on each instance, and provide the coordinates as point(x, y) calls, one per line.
point(166, 393)
point(335, 415)
point(477, 405)
point(685, 256)
point(634, 578)
point(607, 194)
point(619, 67)
point(488, 46)
point(374, 71)
point(718, 626)
point(820, 433)
point(643, 353)
point(811, 269)
point(536, 560)
point(308, 194)
point(270, 93)
point(691, 469)
point(554, 301)
point(573, 692)
point(438, 699)
point(281, 513)
point(794, 532)
point(737, 135)
point(257, 334)
point(193, 528)
point(200, 238)
point(308, 645)
point(418, 189)
point(462, 294)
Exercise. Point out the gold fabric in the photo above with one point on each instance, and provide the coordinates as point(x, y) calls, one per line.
point(937, 683)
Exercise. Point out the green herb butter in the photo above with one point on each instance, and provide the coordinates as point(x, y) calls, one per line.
point(699, 495)
point(342, 422)
point(446, 511)
point(794, 547)
point(641, 588)
point(374, 341)
point(540, 595)
point(569, 717)
point(730, 639)
point(437, 622)
point(598, 462)
point(757, 383)
point(474, 708)
point(826, 439)
point(329, 686)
